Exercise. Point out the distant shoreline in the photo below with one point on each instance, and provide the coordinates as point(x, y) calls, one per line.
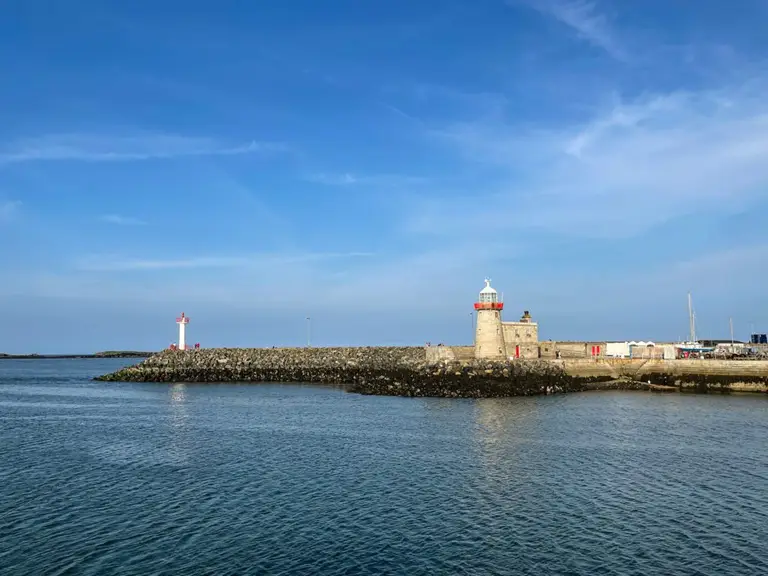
point(101, 355)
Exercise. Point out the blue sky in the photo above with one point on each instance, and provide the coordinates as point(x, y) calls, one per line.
point(368, 163)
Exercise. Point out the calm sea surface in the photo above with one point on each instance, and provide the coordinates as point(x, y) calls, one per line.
point(104, 478)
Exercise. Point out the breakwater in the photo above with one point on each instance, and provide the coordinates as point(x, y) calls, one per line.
point(398, 371)
point(411, 371)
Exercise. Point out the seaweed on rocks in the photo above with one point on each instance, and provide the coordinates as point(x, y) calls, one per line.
point(703, 383)
point(479, 379)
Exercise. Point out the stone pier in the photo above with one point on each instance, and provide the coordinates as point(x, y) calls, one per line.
point(440, 371)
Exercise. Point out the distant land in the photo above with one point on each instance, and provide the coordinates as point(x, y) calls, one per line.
point(105, 354)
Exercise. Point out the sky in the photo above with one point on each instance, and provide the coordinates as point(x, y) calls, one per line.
point(367, 163)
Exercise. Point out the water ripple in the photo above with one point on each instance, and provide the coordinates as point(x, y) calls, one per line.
point(190, 479)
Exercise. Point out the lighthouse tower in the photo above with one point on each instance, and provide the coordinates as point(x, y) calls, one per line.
point(182, 321)
point(489, 335)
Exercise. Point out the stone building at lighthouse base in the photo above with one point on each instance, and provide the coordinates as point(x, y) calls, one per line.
point(522, 337)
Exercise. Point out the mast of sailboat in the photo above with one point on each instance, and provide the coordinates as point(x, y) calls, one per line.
point(691, 319)
point(730, 322)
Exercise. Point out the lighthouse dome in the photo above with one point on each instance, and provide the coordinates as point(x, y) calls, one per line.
point(488, 289)
point(488, 294)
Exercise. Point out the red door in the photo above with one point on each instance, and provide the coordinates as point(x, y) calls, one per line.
point(517, 351)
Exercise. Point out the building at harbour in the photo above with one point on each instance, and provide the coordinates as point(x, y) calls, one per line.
point(496, 339)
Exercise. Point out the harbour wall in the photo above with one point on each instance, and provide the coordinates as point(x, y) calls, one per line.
point(684, 375)
point(441, 371)
point(441, 353)
point(396, 371)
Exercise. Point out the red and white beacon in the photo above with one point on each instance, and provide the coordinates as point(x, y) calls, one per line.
point(182, 321)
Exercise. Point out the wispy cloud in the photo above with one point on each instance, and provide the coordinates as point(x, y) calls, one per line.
point(107, 263)
point(8, 209)
point(418, 279)
point(631, 167)
point(122, 220)
point(99, 148)
point(585, 19)
point(400, 113)
point(345, 179)
point(348, 179)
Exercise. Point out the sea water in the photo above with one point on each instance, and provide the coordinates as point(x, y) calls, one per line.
point(109, 478)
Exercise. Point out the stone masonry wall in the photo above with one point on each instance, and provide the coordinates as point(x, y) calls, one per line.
point(683, 374)
point(489, 336)
point(450, 353)
point(522, 334)
point(571, 349)
point(440, 353)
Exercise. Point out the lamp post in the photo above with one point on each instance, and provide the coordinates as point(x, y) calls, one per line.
point(309, 330)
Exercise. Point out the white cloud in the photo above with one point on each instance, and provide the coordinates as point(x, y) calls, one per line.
point(333, 179)
point(122, 220)
point(104, 263)
point(583, 17)
point(104, 148)
point(266, 282)
point(348, 179)
point(629, 168)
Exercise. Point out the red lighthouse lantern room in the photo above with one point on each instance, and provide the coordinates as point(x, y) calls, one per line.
point(489, 299)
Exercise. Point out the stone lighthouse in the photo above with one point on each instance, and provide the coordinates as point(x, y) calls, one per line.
point(489, 333)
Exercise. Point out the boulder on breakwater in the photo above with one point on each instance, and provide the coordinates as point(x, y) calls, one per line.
point(393, 371)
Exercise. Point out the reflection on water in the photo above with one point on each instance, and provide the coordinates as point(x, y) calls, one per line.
point(178, 393)
point(101, 478)
point(497, 418)
point(502, 431)
point(492, 427)
point(178, 442)
point(178, 401)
